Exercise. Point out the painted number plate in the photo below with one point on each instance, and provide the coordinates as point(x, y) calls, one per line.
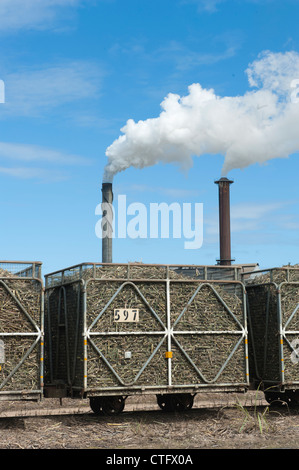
point(126, 314)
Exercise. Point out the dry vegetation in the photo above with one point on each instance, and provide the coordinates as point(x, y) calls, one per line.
point(20, 314)
point(220, 305)
point(215, 422)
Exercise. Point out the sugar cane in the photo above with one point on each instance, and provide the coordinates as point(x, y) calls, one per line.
point(20, 315)
point(133, 353)
point(273, 303)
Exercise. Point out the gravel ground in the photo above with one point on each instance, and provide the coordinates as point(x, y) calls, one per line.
point(214, 422)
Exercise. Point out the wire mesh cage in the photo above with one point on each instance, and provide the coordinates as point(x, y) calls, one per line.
point(21, 330)
point(142, 271)
point(31, 269)
point(273, 319)
point(145, 328)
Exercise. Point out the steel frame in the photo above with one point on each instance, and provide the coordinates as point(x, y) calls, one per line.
point(169, 334)
point(37, 334)
point(282, 331)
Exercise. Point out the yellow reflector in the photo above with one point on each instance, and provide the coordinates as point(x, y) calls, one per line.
point(168, 354)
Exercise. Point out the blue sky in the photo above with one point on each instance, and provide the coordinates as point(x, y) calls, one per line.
point(76, 71)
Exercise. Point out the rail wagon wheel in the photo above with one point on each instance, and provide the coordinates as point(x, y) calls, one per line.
point(95, 404)
point(165, 402)
point(113, 405)
point(183, 401)
point(175, 402)
point(293, 396)
point(277, 398)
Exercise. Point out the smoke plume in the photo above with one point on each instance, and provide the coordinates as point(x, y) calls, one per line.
point(253, 128)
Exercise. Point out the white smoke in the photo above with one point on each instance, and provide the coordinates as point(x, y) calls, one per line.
point(253, 128)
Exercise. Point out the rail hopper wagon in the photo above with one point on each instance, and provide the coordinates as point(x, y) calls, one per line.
point(21, 330)
point(117, 330)
point(273, 324)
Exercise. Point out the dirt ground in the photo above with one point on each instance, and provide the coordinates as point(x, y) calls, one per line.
point(215, 422)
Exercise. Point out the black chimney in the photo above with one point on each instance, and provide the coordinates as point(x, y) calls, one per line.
point(224, 221)
point(107, 198)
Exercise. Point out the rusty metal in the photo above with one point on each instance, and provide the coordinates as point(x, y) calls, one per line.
point(224, 221)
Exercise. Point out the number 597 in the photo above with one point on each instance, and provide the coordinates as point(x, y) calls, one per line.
point(126, 315)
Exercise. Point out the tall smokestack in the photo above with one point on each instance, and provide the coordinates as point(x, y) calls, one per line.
point(224, 221)
point(107, 198)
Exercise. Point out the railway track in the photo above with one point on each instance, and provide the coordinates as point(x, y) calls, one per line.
point(19, 410)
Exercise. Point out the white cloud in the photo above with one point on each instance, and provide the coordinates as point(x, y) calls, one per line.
point(33, 173)
point(185, 58)
point(208, 5)
point(32, 90)
point(170, 192)
point(274, 72)
point(212, 6)
point(34, 153)
point(50, 162)
point(249, 217)
point(246, 129)
point(32, 14)
point(251, 211)
point(181, 55)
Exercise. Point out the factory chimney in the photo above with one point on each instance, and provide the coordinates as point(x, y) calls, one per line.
point(224, 221)
point(107, 198)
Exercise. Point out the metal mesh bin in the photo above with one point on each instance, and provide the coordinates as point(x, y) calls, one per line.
point(273, 322)
point(21, 330)
point(135, 328)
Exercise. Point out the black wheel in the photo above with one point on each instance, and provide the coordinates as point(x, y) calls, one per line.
point(95, 404)
point(175, 402)
point(165, 402)
point(293, 396)
point(184, 401)
point(113, 405)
